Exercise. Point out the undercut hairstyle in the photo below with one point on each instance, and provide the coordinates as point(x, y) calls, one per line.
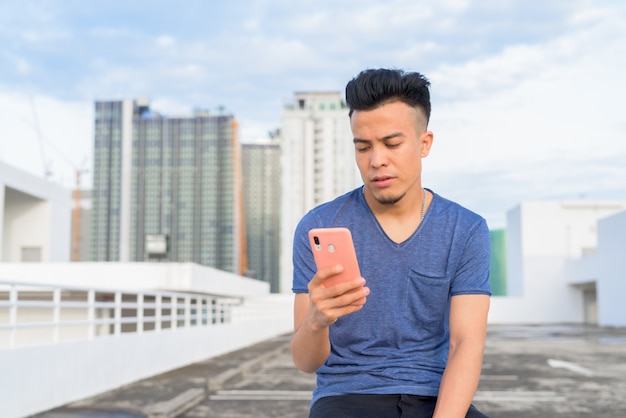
point(373, 88)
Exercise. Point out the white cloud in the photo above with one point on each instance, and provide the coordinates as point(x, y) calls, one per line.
point(189, 71)
point(108, 32)
point(397, 15)
point(165, 41)
point(49, 35)
point(20, 64)
point(251, 24)
point(582, 17)
point(310, 22)
point(455, 6)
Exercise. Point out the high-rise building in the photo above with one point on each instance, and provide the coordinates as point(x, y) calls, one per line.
point(81, 225)
point(317, 162)
point(165, 188)
point(261, 190)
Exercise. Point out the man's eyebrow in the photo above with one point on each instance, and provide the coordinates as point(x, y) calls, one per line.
point(384, 138)
point(391, 136)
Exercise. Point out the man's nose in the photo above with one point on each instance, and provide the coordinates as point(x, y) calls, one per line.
point(378, 157)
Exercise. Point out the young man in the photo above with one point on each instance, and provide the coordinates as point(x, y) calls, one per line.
point(410, 341)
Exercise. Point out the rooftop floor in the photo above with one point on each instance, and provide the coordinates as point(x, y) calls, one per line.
point(529, 371)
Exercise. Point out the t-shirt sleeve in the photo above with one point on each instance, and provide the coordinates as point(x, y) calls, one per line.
point(472, 274)
point(303, 263)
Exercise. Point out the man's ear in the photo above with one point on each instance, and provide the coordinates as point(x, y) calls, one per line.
point(426, 141)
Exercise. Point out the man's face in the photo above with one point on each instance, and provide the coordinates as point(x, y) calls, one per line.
point(390, 142)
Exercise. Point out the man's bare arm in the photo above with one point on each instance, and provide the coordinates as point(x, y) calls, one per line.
point(468, 329)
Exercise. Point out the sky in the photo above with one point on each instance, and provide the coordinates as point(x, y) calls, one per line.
point(527, 97)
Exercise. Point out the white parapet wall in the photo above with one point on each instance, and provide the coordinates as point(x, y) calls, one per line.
point(42, 377)
point(179, 314)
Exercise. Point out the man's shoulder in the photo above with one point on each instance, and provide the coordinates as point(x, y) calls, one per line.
point(450, 209)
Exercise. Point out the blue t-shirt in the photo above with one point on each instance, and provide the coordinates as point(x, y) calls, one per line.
point(398, 342)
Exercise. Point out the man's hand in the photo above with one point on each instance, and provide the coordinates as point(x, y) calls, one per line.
point(327, 304)
point(316, 312)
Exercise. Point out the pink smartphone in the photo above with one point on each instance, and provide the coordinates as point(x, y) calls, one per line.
point(332, 246)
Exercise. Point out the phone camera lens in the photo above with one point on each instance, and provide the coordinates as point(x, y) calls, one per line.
point(316, 240)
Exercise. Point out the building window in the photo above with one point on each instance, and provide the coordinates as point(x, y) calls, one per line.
point(31, 254)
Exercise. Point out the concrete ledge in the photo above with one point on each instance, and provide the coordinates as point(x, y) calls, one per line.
point(177, 405)
point(218, 382)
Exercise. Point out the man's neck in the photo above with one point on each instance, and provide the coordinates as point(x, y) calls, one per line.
point(401, 219)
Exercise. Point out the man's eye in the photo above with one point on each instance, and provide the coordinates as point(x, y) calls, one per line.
point(362, 149)
point(393, 145)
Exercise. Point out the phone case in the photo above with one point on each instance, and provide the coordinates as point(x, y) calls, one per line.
point(332, 246)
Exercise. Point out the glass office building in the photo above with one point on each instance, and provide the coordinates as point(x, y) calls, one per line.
point(171, 179)
point(107, 181)
point(261, 174)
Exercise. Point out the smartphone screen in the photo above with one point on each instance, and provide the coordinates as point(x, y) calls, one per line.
point(332, 246)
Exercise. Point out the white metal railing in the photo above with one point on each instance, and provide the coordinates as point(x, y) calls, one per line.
point(32, 313)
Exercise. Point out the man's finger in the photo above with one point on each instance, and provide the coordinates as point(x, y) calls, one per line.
point(324, 274)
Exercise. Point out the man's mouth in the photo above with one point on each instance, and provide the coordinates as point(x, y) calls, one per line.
point(382, 181)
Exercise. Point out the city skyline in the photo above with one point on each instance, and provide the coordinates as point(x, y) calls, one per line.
point(526, 97)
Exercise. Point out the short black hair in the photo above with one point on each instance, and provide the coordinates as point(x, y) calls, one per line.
point(374, 87)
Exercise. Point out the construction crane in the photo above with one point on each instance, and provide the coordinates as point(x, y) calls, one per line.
point(78, 171)
point(42, 152)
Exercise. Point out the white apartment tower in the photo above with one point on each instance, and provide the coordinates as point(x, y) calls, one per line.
point(317, 162)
